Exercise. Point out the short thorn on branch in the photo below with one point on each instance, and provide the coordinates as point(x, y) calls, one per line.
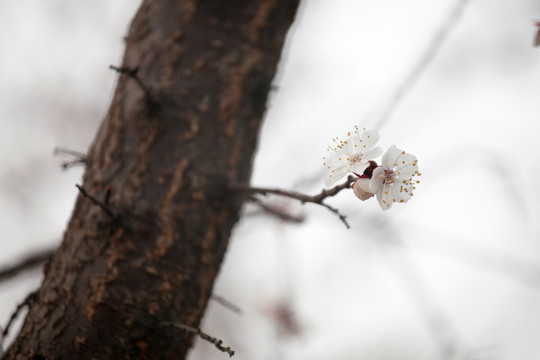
point(317, 199)
point(217, 343)
point(79, 157)
point(133, 73)
point(227, 304)
point(104, 206)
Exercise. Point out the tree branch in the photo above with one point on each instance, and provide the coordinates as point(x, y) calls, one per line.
point(217, 343)
point(27, 263)
point(303, 198)
point(28, 301)
point(423, 63)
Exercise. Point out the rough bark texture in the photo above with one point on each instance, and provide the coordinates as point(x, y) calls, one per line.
point(167, 150)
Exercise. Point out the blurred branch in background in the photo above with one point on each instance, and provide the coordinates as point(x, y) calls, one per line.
point(423, 63)
point(440, 327)
point(513, 267)
point(278, 210)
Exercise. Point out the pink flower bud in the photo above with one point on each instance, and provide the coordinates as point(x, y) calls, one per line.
point(361, 189)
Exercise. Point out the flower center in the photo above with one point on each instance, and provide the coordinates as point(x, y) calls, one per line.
point(389, 176)
point(356, 158)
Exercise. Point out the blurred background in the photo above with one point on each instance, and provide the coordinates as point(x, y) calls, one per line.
point(453, 274)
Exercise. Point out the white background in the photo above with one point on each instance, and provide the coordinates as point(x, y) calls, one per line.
point(456, 267)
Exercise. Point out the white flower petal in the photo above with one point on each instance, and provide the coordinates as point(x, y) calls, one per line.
point(384, 199)
point(352, 155)
point(335, 176)
point(373, 153)
point(370, 139)
point(359, 167)
point(390, 157)
point(377, 180)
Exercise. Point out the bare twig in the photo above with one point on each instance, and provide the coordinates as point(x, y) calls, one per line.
point(423, 63)
point(27, 263)
point(317, 199)
point(227, 304)
point(28, 301)
point(132, 72)
point(278, 212)
point(95, 201)
point(79, 157)
point(217, 343)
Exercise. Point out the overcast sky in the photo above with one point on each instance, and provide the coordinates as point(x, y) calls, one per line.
point(457, 267)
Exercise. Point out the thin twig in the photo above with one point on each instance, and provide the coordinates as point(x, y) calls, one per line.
point(28, 301)
point(423, 63)
point(80, 158)
point(227, 304)
point(217, 343)
point(95, 201)
point(303, 198)
point(27, 263)
point(132, 72)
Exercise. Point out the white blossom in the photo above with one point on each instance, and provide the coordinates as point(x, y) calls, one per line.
point(393, 181)
point(351, 155)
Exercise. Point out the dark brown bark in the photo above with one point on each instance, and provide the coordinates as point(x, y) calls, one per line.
point(172, 140)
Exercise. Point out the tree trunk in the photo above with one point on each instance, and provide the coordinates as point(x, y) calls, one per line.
point(142, 250)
